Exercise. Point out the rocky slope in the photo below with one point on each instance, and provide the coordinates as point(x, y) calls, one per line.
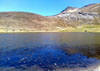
point(83, 15)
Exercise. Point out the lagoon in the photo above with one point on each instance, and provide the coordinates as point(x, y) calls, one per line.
point(49, 51)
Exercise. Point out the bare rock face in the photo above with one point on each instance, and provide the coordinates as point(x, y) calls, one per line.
point(69, 10)
point(84, 14)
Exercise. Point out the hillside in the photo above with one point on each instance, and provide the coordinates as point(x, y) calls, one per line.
point(84, 15)
point(70, 17)
point(24, 22)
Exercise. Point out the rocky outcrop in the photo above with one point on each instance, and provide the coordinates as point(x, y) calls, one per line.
point(84, 14)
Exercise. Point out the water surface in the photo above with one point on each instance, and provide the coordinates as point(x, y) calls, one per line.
point(48, 52)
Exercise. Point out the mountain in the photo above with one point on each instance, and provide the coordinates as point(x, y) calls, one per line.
point(85, 14)
point(22, 21)
point(69, 9)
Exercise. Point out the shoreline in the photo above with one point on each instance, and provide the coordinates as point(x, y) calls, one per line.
point(82, 28)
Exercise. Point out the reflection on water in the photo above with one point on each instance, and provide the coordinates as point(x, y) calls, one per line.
point(31, 39)
point(49, 52)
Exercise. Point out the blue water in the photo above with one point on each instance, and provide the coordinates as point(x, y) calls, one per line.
point(24, 51)
point(46, 57)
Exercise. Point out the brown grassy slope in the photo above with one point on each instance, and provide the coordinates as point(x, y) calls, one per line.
point(27, 21)
point(90, 8)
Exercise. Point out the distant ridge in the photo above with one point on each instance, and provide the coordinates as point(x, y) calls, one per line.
point(84, 14)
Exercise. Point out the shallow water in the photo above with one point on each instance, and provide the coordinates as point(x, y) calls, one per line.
point(46, 52)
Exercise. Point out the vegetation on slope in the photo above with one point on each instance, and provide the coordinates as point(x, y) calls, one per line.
point(27, 22)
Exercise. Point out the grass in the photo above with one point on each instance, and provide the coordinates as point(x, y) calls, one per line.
point(83, 28)
point(4, 30)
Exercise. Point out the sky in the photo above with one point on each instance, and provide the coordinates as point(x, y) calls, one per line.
point(42, 7)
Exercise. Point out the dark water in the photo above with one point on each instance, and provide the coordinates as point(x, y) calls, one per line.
point(46, 52)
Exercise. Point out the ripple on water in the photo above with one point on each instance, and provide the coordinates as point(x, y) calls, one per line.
point(46, 58)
